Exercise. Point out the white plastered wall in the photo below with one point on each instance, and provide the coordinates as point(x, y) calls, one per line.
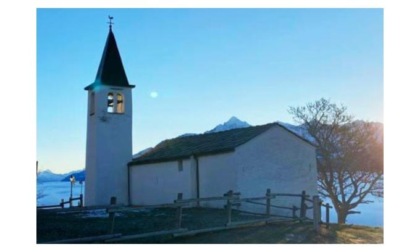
point(108, 148)
point(217, 177)
point(278, 160)
point(160, 183)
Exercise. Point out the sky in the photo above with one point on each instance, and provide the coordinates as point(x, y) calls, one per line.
point(195, 68)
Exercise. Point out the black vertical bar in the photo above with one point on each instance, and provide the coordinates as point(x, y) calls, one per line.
point(81, 200)
point(327, 217)
point(302, 205)
point(294, 211)
point(179, 212)
point(197, 174)
point(229, 207)
point(113, 201)
point(268, 203)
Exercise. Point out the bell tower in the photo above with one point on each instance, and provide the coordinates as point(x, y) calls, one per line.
point(109, 129)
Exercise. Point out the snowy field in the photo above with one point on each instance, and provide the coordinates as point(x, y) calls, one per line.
point(371, 214)
point(55, 191)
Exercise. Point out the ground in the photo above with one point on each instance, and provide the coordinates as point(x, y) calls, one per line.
point(55, 226)
point(295, 233)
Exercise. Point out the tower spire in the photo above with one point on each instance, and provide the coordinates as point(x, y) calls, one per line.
point(111, 70)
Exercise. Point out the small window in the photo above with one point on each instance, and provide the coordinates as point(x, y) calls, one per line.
point(110, 102)
point(92, 104)
point(180, 165)
point(120, 103)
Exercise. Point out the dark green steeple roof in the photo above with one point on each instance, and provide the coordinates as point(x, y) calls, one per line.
point(111, 70)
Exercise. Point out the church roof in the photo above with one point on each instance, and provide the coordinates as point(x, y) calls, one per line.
point(203, 144)
point(111, 70)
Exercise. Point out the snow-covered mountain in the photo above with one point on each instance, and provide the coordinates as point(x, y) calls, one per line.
point(378, 127)
point(299, 130)
point(78, 175)
point(49, 176)
point(232, 123)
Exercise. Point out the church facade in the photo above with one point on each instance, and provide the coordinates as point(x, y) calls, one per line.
point(246, 160)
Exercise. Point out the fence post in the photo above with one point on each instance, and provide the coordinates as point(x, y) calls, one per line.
point(303, 205)
point(229, 207)
point(316, 212)
point(320, 210)
point(113, 201)
point(294, 211)
point(179, 212)
point(62, 203)
point(327, 215)
point(81, 200)
point(70, 201)
point(268, 205)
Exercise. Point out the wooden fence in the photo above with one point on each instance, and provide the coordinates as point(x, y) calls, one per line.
point(63, 203)
point(231, 198)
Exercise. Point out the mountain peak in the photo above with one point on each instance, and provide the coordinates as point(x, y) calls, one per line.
point(234, 119)
point(232, 123)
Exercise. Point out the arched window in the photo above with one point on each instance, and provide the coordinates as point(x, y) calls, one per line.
point(120, 103)
point(92, 104)
point(110, 102)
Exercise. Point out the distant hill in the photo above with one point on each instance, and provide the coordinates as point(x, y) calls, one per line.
point(49, 176)
point(140, 153)
point(79, 176)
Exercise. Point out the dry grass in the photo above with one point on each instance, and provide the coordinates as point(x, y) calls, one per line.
point(289, 233)
point(359, 234)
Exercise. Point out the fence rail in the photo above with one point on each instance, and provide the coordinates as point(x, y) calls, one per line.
point(63, 203)
point(232, 199)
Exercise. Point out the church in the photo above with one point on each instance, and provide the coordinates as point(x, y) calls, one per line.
point(246, 160)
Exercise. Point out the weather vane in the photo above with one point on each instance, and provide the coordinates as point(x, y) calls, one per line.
point(110, 22)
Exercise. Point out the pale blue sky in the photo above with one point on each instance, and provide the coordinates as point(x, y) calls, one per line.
point(206, 65)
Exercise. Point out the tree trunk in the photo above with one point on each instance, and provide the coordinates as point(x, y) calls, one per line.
point(341, 216)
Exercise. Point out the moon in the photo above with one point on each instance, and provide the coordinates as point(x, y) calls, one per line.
point(154, 94)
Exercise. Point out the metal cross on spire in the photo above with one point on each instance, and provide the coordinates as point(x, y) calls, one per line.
point(110, 22)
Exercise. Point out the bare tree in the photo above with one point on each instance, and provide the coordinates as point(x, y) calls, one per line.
point(349, 155)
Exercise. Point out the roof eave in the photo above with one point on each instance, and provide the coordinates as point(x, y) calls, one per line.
point(96, 84)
